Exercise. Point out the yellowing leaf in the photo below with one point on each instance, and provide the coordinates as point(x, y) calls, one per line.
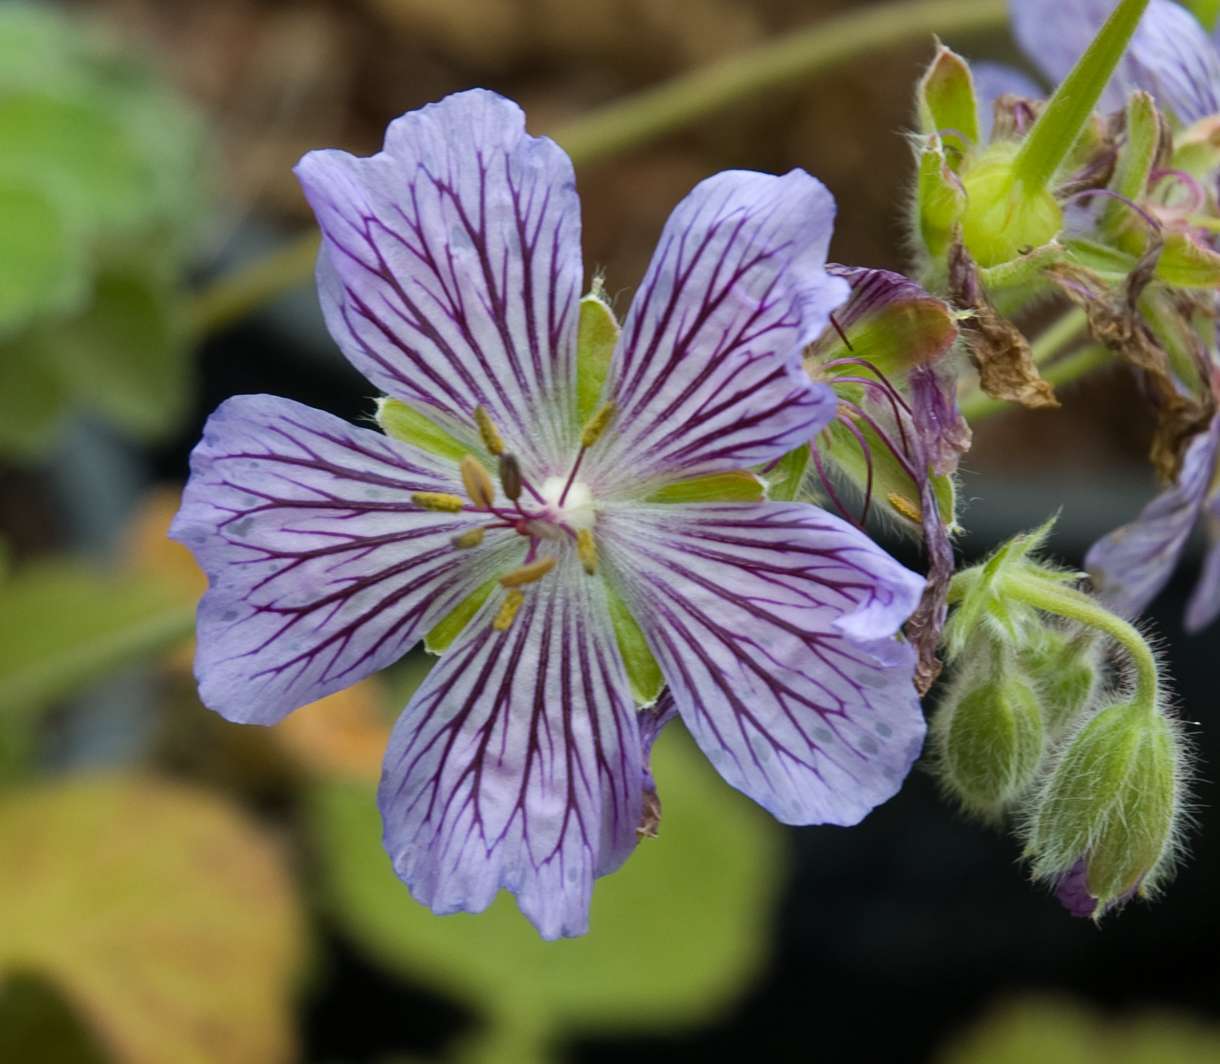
point(167, 919)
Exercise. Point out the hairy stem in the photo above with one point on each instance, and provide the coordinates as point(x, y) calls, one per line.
point(648, 115)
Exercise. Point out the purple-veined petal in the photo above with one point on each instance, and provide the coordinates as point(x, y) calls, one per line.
point(450, 270)
point(774, 625)
point(993, 80)
point(320, 569)
point(517, 764)
point(1131, 565)
point(707, 375)
point(1170, 55)
point(1204, 605)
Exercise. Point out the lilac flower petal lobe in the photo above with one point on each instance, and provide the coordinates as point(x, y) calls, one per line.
point(775, 625)
point(1204, 605)
point(1170, 55)
point(1131, 565)
point(707, 376)
point(450, 271)
point(517, 764)
point(321, 570)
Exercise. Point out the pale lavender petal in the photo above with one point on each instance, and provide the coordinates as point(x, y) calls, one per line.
point(1170, 55)
point(774, 625)
point(1133, 563)
point(1073, 894)
point(450, 270)
point(707, 375)
point(517, 764)
point(320, 568)
point(1204, 605)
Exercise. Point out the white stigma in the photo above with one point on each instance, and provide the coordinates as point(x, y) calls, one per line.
point(577, 511)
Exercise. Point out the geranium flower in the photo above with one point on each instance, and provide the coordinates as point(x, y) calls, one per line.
point(1170, 56)
point(1131, 565)
point(621, 546)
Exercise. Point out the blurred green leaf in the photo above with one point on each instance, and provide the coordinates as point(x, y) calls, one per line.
point(1051, 1031)
point(63, 624)
point(675, 934)
point(166, 917)
point(43, 265)
point(127, 355)
point(38, 1023)
point(33, 398)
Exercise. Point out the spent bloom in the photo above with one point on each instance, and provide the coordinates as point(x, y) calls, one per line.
point(563, 509)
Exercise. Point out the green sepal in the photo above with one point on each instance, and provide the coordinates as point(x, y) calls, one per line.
point(596, 338)
point(408, 425)
point(452, 624)
point(1068, 112)
point(940, 199)
point(947, 104)
point(991, 740)
point(1138, 158)
point(1197, 149)
point(787, 477)
point(892, 491)
point(1185, 263)
point(644, 675)
point(737, 486)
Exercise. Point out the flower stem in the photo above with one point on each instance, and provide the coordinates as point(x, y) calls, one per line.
point(1075, 606)
point(1061, 332)
point(646, 116)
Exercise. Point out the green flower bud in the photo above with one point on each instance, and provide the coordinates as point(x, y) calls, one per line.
point(1066, 671)
point(939, 200)
point(1110, 806)
point(1005, 217)
point(947, 104)
point(990, 743)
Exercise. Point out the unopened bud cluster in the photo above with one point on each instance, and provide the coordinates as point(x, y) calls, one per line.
point(1036, 726)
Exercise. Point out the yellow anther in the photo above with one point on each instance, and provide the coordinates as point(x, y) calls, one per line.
point(438, 500)
point(905, 507)
point(477, 482)
point(472, 537)
point(508, 610)
point(527, 574)
point(586, 547)
point(491, 438)
point(597, 425)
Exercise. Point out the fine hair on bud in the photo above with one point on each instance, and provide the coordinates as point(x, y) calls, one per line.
point(989, 738)
point(1115, 803)
point(1065, 667)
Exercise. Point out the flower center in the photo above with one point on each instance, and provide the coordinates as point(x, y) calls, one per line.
point(572, 508)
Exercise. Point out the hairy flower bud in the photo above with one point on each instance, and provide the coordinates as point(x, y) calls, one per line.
point(1104, 825)
point(1066, 672)
point(990, 743)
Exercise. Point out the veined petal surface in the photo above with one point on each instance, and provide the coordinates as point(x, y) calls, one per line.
point(1204, 605)
point(517, 764)
point(775, 627)
point(1170, 55)
point(321, 570)
point(707, 375)
point(450, 271)
point(1131, 565)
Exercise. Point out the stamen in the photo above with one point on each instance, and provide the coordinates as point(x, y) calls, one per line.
point(527, 574)
point(438, 500)
point(491, 438)
point(477, 482)
point(508, 611)
point(472, 537)
point(904, 506)
point(586, 547)
point(597, 425)
point(510, 476)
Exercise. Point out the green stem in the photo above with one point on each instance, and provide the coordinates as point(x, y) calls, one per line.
point(646, 116)
point(977, 405)
point(1061, 332)
point(1075, 606)
point(1068, 110)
